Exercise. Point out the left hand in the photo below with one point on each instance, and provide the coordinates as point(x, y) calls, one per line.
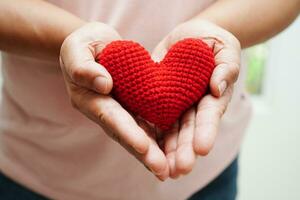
point(196, 131)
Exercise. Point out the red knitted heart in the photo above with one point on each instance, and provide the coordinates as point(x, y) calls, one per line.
point(158, 92)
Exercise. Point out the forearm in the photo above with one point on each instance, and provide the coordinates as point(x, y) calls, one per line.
point(252, 21)
point(34, 28)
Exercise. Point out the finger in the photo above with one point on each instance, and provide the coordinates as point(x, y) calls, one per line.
point(78, 54)
point(170, 146)
point(88, 74)
point(185, 155)
point(208, 116)
point(154, 160)
point(120, 125)
point(112, 117)
point(227, 61)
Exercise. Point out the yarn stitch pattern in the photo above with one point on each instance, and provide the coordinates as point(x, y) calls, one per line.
point(159, 92)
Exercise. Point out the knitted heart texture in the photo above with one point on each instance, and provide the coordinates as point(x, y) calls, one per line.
point(159, 92)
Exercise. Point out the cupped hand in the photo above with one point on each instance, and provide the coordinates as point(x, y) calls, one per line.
point(88, 84)
point(196, 131)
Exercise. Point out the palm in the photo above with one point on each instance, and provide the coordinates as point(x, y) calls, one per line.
point(196, 131)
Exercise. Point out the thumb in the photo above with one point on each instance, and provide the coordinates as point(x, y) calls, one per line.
point(81, 69)
point(77, 57)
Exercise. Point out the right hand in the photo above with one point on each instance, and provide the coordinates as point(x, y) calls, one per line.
point(88, 84)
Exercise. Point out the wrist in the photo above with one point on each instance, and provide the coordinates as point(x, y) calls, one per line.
point(73, 24)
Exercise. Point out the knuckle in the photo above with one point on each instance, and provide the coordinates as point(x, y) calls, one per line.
point(75, 99)
point(76, 73)
point(101, 116)
point(105, 115)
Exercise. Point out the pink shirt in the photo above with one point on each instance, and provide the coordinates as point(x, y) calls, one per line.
point(54, 150)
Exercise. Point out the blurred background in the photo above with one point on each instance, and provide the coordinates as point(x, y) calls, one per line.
point(270, 155)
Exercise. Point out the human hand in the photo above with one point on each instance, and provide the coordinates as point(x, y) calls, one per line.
point(197, 129)
point(88, 84)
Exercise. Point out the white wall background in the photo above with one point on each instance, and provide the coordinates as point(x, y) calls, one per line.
point(270, 156)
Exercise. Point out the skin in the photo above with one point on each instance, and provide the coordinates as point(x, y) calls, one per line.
point(31, 28)
point(197, 129)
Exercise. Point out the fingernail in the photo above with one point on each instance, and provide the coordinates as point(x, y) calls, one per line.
point(222, 87)
point(100, 84)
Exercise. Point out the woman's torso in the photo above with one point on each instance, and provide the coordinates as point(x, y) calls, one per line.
point(55, 150)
